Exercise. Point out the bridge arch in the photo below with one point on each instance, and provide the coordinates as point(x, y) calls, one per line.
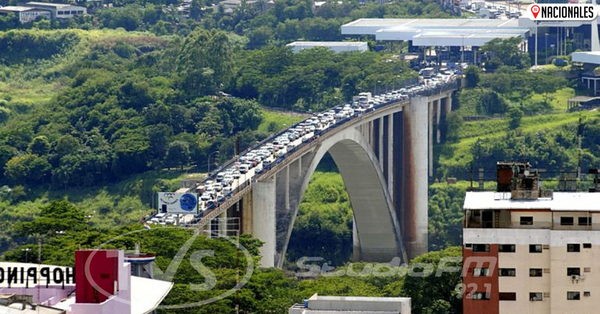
point(378, 235)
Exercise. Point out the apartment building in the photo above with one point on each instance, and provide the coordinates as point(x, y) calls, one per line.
point(531, 251)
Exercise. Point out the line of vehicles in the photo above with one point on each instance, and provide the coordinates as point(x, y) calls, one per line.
point(220, 186)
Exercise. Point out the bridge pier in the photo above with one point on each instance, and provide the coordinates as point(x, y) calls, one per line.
point(415, 219)
point(438, 115)
point(263, 218)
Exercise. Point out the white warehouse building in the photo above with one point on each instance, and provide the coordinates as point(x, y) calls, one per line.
point(59, 10)
point(336, 46)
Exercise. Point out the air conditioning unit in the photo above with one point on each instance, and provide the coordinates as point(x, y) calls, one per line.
point(576, 278)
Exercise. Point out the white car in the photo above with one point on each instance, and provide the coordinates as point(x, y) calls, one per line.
point(228, 179)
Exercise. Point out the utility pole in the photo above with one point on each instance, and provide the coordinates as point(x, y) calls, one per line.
point(536, 44)
point(579, 135)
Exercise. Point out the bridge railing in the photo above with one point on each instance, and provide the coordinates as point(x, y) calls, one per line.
point(299, 150)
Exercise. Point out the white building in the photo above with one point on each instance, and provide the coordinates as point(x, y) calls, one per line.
point(437, 32)
point(59, 10)
point(26, 14)
point(336, 46)
point(542, 248)
point(354, 305)
point(100, 283)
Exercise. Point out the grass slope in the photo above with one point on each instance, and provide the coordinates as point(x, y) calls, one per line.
point(459, 154)
point(274, 120)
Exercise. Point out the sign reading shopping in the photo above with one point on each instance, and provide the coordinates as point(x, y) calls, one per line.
point(562, 12)
point(178, 203)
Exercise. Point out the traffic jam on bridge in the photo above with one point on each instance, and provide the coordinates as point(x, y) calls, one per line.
point(187, 207)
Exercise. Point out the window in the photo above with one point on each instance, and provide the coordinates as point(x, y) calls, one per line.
point(587, 245)
point(481, 272)
point(535, 248)
point(535, 272)
point(536, 296)
point(480, 296)
point(80, 12)
point(73, 12)
point(508, 296)
point(585, 221)
point(566, 221)
point(573, 271)
point(481, 247)
point(573, 247)
point(507, 272)
point(587, 269)
point(573, 295)
point(506, 248)
point(586, 294)
point(526, 221)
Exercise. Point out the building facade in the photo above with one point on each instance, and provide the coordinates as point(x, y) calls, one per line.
point(526, 250)
point(26, 14)
point(352, 305)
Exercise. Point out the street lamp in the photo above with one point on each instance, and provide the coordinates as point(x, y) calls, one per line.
point(26, 250)
point(208, 161)
point(546, 41)
point(376, 87)
point(462, 49)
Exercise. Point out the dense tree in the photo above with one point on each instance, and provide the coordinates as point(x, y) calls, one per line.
point(205, 62)
point(178, 154)
point(28, 168)
point(506, 52)
point(39, 146)
point(472, 76)
point(324, 224)
point(445, 216)
point(454, 120)
point(433, 292)
point(515, 115)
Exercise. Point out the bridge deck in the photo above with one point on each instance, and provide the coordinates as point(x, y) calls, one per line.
point(303, 148)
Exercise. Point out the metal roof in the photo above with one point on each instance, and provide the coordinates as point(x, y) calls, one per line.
point(583, 98)
point(327, 44)
point(592, 57)
point(16, 9)
point(47, 4)
point(437, 32)
point(561, 201)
